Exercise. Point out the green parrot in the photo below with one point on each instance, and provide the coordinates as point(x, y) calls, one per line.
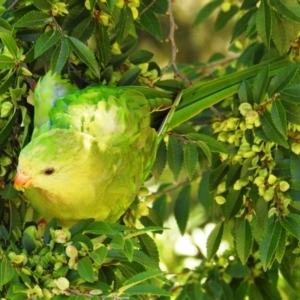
point(91, 149)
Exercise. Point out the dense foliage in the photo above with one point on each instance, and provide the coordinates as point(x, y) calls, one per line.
point(241, 156)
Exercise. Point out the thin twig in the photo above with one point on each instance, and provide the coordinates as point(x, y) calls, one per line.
point(171, 39)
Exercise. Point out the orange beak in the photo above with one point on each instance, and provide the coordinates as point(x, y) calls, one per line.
point(22, 181)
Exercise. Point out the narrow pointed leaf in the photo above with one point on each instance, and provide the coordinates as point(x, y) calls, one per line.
point(278, 116)
point(103, 45)
point(212, 143)
point(280, 250)
point(269, 243)
point(130, 76)
point(246, 93)
point(175, 156)
point(242, 24)
point(282, 79)
point(190, 159)
point(34, 18)
point(206, 11)
point(279, 35)
point(148, 246)
point(59, 56)
point(147, 290)
point(6, 62)
point(45, 41)
point(224, 17)
point(214, 240)
point(289, 9)
point(271, 131)
point(85, 54)
point(234, 201)
point(205, 149)
point(9, 43)
point(291, 225)
point(84, 29)
point(260, 84)
point(160, 161)
point(151, 24)
point(291, 94)
point(264, 22)
point(182, 208)
point(6, 271)
point(244, 241)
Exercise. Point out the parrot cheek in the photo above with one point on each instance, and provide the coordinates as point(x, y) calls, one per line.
point(22, 181)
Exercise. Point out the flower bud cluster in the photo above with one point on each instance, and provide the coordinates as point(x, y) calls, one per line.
point(258, 156)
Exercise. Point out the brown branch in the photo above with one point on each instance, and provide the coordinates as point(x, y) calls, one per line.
point(171, 39)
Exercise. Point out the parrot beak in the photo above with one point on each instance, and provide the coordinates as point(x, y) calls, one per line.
point(22, 181)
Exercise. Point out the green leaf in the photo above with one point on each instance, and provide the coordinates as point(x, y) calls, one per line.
point(6, 62)
point(214, 240)
point(289, 9)
point(85, 269)
point(84, 54)
point(5, 27)
point(224, 17)
point(128, 249)
point(271, 131)
point(34, 18)
point(103, 45)
point(217, 175)
point(147, 290)
point(129, 77)
point(42, 4)
point(99, 228)
point(148, 246)
point(279, 35)
point(151, 24)
point(182, 208)
point(291, 225)
point(10, 43)
point(280, 250)
point(45, 41)
point(140, 56)
point(160, 161)
point(175, 156)
point(268, 244)
point(212, 143)
point(190, 155)
point(260, 84)
point(246, 93)
point(278, 116)
point(291, 94)
point(268, 290)
point(237, 270)
point(60, 56)
point(292, 112)
point(282, 79)
point(242, 24)
point(125, 20)
point(6, 271)
point(234, 201)
point(138, 278)
point(206, 11)
point(84, 29)
point(244, 241)
point(205, 149)
point(117, 242)
point(99, 255)
point(264, 22)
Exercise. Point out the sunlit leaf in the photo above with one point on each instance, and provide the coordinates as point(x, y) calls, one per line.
point(214, 240)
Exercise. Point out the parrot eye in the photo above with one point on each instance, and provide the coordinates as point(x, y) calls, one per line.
point(49, 171)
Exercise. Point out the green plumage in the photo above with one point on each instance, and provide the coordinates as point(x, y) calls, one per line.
point(91, 151)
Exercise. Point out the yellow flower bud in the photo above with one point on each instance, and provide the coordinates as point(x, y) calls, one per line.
point(245, 108)
point(71, 251)
point(284, 186)
point(62, 283)
point(220, 200)
point(272, 179)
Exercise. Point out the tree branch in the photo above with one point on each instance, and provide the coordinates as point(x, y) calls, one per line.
point(171, 39)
